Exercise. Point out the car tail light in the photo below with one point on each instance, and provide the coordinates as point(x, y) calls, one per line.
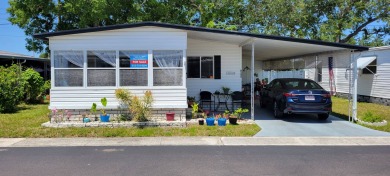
point(326, 95)
point(289, 95)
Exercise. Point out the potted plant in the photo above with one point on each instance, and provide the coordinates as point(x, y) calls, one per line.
point(225, 90)
point(236, 115)
point(104, 117)
point(190, 101)
point(93, 111)
point(197, 114)
point(221, 120)
point(210, 121)
point(226, 114)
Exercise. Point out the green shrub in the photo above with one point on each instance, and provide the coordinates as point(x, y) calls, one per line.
point(139, 108)
point(12, 86)
point(34, 85)
point(46, 87)
point(370, 117)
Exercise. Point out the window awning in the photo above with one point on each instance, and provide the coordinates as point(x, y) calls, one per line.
point(363, 62)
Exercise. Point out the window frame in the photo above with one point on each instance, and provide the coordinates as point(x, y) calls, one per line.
point(117, 69)
point(53, 70)
point(200, 67)
point(100, 68)
point(129, 68)
point(182, 68)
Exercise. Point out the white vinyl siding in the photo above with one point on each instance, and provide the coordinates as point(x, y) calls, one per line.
point(231, 60)
point(134, 39)
point(368, 84)
point(83, 98)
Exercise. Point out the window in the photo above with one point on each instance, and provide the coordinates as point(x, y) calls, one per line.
point(101, 68)
point(133, 68)
point(167, 68)
point(200, 67)
point(68, 68)
point(193, 67)
point(370, 68)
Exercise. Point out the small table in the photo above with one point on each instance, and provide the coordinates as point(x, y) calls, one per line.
point(222, 99)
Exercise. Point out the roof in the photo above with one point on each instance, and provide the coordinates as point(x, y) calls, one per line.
point(194, 28)
point(266, 46)
point(11, 55)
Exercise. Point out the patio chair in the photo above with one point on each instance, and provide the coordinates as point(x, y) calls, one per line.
point(237, 97)
point(206, 97)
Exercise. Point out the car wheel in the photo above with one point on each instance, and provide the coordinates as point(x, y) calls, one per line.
point(262, 103)
point(323, 116)
point(277, 113)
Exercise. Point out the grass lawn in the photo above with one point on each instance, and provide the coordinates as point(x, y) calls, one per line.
point(27, 123)
point(340, 109)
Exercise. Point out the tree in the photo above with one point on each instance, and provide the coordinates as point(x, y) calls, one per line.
point(346, 19)
point(343, 21)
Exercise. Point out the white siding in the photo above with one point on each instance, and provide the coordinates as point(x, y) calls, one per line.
point(231, 61)
point(376, 85)
point(123, 39)
point(144, 38)
point(368, 84)
point(341, 60)
point(83, 98)
point(246, 75)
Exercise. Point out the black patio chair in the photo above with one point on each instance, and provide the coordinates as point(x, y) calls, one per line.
point(237, 98)
point(206, 97)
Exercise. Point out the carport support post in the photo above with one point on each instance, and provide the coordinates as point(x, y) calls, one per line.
point(354, 90)
point(252, 81)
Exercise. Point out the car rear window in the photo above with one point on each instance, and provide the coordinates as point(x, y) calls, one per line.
point(301, 84)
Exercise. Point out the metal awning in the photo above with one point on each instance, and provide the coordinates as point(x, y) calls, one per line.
point(363, 62)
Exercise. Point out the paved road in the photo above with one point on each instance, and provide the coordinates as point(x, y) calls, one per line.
point(308, 125)
point(196, 160)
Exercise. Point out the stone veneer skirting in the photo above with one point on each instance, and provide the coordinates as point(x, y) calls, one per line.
point(368, 99)
point(158, 114)
point(123, 124)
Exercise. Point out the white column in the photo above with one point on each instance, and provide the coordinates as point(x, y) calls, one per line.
point(52, 68)
point(252, 81)
point(150, 68)
point(117, 77)
point(85, 70)
point(354, 90)
point(184, 68)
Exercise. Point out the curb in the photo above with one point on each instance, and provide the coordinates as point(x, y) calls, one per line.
point(195, 141)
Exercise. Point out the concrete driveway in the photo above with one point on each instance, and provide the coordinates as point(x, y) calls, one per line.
point(308, 125)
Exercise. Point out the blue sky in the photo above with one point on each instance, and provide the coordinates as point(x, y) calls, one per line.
point(12, 38)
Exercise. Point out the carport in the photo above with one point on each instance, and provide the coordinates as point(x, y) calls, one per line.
point(288, 54)
point(268, 49)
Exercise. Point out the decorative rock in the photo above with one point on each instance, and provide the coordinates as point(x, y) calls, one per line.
point(383, 123)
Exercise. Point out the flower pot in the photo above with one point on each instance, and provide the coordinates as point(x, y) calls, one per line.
point(86, 120)
point(210, 121)
point(170, 116)
point(105, 118)
point(221, 122)
point(233, 121)
point(201, 121)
